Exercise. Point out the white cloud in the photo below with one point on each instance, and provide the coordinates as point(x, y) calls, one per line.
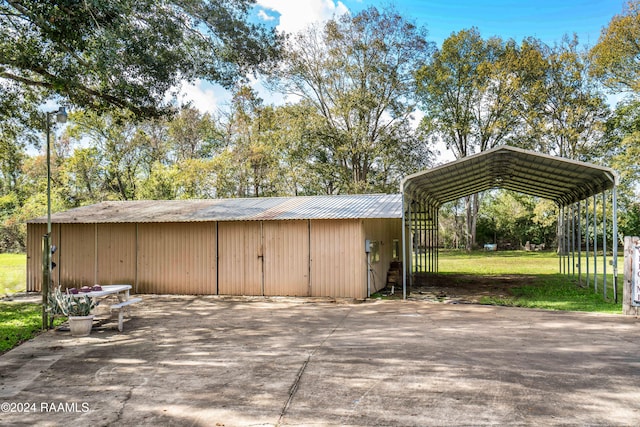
point(295, 15)
point(264, 16)
point(203, 95)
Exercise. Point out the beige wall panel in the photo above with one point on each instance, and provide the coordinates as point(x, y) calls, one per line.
point(240, 258)
point(176, 258)
point(384, 231)
point(338, 262)
point(34, 256)
point(116, 254)
point(286, 258)
point(76, 255)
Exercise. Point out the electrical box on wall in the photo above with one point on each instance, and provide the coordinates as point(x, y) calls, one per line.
point(367, 246)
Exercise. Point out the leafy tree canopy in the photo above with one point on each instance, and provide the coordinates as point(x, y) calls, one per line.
point(127, 53)
point(357, 73)
point(616, 56)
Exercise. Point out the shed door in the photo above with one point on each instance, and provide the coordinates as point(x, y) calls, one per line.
point(240, 258)
point(286, 258)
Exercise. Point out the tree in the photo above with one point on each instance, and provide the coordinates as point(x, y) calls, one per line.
point(616, 55)
point(128, 53)
point(516, 218)
point(622, 139)
point(573, 109)
point(469, 92)
point(19, 120)
point(356, 72)
point(253, 142)
point(478, 94)
point(120, 154)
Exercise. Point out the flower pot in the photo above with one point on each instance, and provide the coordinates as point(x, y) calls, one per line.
point(80, 326)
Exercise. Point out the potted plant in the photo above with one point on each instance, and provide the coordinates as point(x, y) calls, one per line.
point(76, 309)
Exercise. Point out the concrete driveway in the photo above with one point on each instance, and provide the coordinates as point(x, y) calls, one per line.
point(207, 361)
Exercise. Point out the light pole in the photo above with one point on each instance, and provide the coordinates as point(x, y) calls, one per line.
point(61, 117)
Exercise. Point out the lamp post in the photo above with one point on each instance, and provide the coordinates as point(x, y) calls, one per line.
point(61, 117)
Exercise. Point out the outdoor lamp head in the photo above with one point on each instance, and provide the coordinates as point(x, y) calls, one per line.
point(61, 115)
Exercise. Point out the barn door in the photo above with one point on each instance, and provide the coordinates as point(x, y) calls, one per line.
point(240, 258)
point(286, 258)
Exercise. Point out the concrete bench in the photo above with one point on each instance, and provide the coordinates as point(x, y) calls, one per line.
point(121, 306)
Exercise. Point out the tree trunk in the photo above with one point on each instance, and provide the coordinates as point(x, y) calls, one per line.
point(472, 205)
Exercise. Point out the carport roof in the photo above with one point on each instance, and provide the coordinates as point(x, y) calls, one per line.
point(249, 209)
point(562, 180)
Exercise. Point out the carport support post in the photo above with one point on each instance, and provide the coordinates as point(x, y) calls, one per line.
point(405, 247)
point(437, 216)
point(578, 214)
point(586, 232)
point(560, 238)
point(567, 236)
point(573, 239)
point(595, 245)
point(604, 245)
point(404, 254)
point(614, 219)
point(415, 238)
point(565, 243)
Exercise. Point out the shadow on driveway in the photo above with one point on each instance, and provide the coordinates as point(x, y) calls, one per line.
point(208, 361)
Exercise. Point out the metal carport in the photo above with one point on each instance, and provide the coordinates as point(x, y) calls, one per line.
point(566, 182)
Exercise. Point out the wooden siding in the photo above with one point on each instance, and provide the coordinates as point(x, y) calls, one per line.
point(240, 258)
point(176, 258)
point(286, 258)
point(338, 262)
point(116, 257)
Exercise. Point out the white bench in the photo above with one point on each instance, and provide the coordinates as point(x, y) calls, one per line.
point(121, 306)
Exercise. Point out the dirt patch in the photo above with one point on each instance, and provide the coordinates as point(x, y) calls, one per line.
point(462, 288)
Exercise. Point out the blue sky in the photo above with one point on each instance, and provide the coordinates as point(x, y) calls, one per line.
point(544, 19)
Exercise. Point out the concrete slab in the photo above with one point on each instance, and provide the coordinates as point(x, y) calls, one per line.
point(207, 361)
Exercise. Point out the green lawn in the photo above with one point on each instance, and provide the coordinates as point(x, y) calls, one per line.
point(18, 322)
point(13, 273)
point(499, 262)
point(548, 289)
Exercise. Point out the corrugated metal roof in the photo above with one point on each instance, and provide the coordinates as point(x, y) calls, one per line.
point(562, 180)
point(253, 209)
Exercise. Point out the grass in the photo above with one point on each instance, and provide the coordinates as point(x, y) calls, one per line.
point(13, 273)
point(548, 289)
point(19, 322)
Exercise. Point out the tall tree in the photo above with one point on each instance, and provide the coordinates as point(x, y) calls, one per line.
point(252, 142)
point(616, 56)
point(356, 71)
point(622, 138)
point(120, 155)
point(573, 107)
point(127, 53)
point(469, 93)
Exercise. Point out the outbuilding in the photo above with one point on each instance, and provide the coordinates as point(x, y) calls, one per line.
point(328, 246)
